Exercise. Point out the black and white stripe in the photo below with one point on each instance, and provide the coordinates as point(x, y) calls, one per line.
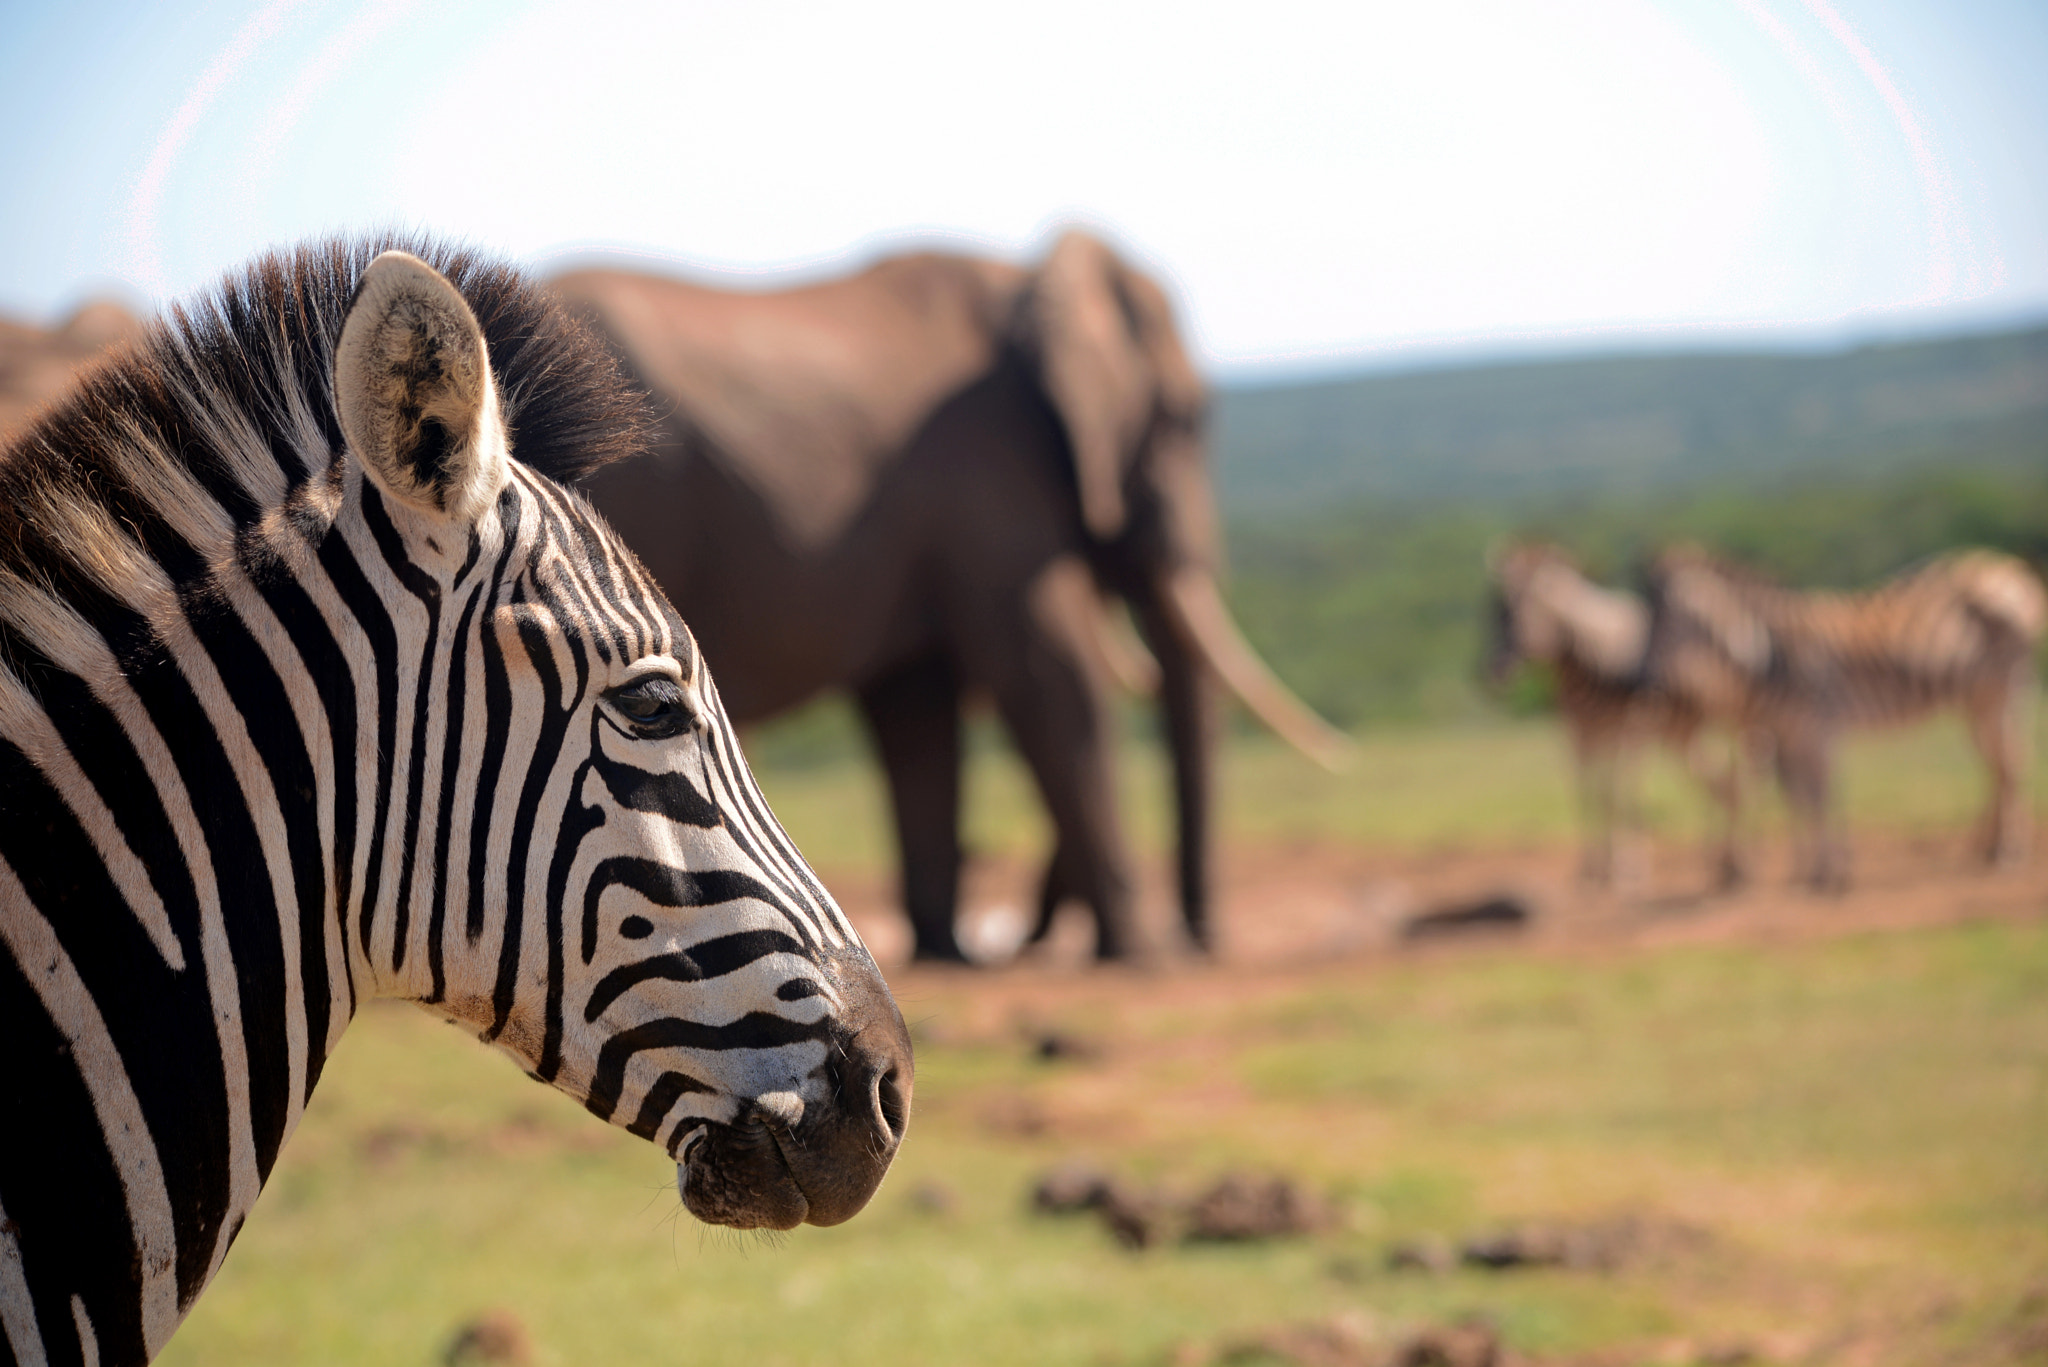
point(1797, 668)
point(290, 718)
point(1595, 641)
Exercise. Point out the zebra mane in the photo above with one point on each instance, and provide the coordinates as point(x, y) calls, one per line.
point(197, 400)
point(1689, 556)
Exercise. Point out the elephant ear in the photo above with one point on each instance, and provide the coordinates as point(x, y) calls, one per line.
point(1179, 389)
point(1079, 322)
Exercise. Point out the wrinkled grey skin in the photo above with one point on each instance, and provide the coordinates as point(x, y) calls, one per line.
point(916, 483)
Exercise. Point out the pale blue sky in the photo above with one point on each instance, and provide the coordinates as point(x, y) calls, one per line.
point(1323, 183)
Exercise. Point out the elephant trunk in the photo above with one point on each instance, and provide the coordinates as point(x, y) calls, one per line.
point(1200, 617)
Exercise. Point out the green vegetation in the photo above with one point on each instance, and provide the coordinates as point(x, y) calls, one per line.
point(1856, 1125)
point(1635, 425)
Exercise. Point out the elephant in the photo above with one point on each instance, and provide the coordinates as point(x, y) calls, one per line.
point(917, 483)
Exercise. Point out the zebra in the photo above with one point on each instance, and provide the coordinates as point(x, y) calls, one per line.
point(316, 686)
point(1797, 668)
point(1544, 610)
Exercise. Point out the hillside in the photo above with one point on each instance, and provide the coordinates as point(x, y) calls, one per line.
point(1634, 424)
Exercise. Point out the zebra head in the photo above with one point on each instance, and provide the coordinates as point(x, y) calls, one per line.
point(1545, 611)
point(1521, 625)
point(600, 889)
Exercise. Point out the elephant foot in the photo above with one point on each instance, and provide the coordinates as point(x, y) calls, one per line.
point(2003, 851)
point(948, 953)
point(1730, 876)
point(1827, 883)
point(1122, 948)
point(1142, 960)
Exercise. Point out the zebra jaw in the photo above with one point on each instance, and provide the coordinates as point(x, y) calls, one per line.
point(741, 1175)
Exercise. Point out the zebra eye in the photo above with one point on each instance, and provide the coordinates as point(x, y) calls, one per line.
point(656, 706)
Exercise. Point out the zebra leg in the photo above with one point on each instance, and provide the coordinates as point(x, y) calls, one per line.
point(1733, 866)
point(2018, 825)
point(914, 715)
point(1804, 764)
point(1629, 856)
point(1723, 783)
point(1593, 772)
point(2001, 726)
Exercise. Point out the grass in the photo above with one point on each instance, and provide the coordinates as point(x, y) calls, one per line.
point(1858, 1124)
point(1502, 782)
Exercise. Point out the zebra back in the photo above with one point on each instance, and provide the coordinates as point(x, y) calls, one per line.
point(1935, 633)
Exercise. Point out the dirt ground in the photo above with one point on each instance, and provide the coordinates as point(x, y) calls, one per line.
point(1288, 909)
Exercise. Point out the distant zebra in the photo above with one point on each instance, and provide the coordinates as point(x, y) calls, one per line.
point(311, 692)
point(1958, 630)
point(1594, 640)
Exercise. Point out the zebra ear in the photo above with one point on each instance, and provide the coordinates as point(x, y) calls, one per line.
point(413, 391)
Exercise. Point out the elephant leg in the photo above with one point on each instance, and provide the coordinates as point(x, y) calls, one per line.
point(1053, 890)
point(1058, 720)
point(1188, 702)
point(914, 716)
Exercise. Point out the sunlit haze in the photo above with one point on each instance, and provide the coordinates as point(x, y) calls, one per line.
point(1324, 184)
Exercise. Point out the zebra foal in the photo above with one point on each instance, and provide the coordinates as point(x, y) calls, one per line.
point(1798, 668)
point(315, 686)
point(1595, 641)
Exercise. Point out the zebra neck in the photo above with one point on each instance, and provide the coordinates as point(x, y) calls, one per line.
point(184, 830)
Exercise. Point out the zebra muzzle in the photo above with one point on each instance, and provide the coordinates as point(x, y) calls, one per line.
point(783, 1162)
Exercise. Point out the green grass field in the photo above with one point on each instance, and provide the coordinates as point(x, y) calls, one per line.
point(1497, 783)
point(1856, 1125)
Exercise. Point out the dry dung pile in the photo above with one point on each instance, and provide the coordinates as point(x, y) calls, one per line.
point(496, 1336)
point(933, 1197)
point(1503, 912)
point(1064, 1046)
point(1238, 1207)
point(1242, 1207)
point(1132, 1217)
point(1598, 1246)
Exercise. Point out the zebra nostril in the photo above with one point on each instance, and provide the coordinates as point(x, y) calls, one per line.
point(892, 1104)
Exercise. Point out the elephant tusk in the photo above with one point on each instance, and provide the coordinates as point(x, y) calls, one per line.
point(1198, 609)
point(1123, 654)
point(1068, 602)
